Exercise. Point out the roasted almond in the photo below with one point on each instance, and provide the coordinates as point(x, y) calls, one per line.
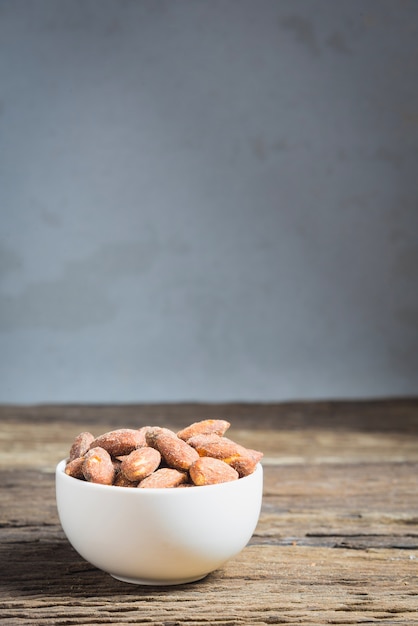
point(175, 452)
point(204, 427)
point(245, 464)
point(98, 466)
point(164, 478)
point(80, 445)
point(215, 446)
point(120, 480)
point(140, 463)
point(209, 471)
point(121, 441)
point(74, 468)
point(153, 432)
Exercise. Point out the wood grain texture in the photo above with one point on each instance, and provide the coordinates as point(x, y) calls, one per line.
point(336, 543)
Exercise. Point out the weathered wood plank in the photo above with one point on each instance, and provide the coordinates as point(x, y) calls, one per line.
point(298, 501)
point(263, 585)
point(383, 415)
point(41, 444)
point(337, 540)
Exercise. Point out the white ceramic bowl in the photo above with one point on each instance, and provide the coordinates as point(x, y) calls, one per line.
point(158, 536)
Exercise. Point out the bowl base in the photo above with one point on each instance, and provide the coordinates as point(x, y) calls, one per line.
point(159, 583)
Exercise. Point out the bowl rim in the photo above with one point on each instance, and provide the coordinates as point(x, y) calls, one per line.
point(84, 484)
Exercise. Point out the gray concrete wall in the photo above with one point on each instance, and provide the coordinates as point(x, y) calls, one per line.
point(209, 200)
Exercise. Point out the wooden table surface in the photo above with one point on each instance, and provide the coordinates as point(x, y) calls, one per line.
point(337, 540)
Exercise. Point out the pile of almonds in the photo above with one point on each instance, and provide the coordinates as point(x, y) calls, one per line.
point(158, 457)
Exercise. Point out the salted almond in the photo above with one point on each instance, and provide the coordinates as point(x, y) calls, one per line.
point(215, 446)
point(120, 442)
point(204, 427)
point(120, 480)
point(74, 468)
point(245, 464)
point(155, 431)
point(140, 463)
point(164, 478)
point(243, 460)
point(80, 445)
point(98, 466)
point(209, 471)
point(175, 452)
